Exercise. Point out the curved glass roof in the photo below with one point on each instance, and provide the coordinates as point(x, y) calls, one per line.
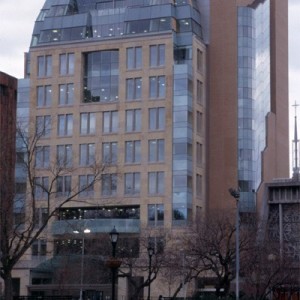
point(70, 20)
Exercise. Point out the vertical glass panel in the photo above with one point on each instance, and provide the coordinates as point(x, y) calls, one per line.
point(129, 120)
point(48, 65)
point(161, 49)
point(138, 57)
point(41, 66)
point(63, 64)
point(69, 124)
point(71, 63)
point(130, 58)
point(115, 121)
point(48, 95)
point(84, 123)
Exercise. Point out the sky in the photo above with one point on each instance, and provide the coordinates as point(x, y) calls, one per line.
point(17, 20)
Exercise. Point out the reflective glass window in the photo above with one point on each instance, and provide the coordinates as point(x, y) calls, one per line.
point(109, 184)
point(66, 94)
point(156, 183)
point(157, 55)
point(157, 118)
point(110, 152)
point(86, 154)
point(65, 125)
point(64, 155)
point(157, 87)
point(87, 123)
point(110, 121)
point(156, 150)
point(43, 126)
point(134, 58)
point(133, 151)
point(133, 120)
point(132, 183)
point(133, 88)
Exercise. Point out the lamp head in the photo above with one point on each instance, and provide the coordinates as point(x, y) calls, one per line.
point(150, 250)
point(114, 235)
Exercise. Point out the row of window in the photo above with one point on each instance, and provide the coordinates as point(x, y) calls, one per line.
point(94, 92)
point(100, 62)
point(132, 185)
point(87, 153)
point(109, 186)
point(110, 122)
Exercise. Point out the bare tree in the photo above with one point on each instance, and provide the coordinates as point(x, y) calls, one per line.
point(208, 250)
point(266, 271)
point(18, 236)
point(135, 264)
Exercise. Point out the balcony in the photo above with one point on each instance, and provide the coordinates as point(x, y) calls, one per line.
point(65, 227)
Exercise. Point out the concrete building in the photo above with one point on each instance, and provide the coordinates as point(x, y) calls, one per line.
point(180, 100)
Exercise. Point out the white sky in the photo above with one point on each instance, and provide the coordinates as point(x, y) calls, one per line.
point(17, 20)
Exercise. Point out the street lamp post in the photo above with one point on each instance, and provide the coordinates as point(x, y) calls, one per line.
point(236, 195)
point(114, 235)
point(82, 259)
point(150, 250)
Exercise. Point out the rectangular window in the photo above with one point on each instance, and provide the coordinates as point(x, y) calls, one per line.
point(20, 187)
point(157, 87)
point(157, 243)
point(42, 157)
point(44, 96)
point(43, 126)
point(157, 55)
point(132, 183)
point(66, 64)
point(39, 248)
point(199, 185)
point(157, 118)
point(44, 66)
point(156, 214)
point(110, 121)
point(199, 154)
point(101, 76)
point(65, 125)
point(87, 123)
point(133, 120)
point(41, 187)
point(156, 183)
point(199, 122)
point(64, 185)
point(86, 185)
point(199, 60)
point(156, 150)
point(134, 58)
point(109, 184)
point(133, 152)
point(87, 154)
point(66, 94)
point(64, 155)
point(41, 216)
point(200, 92)
point(133, 88)
point(110, 152)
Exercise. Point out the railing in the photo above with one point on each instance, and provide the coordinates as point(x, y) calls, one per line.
point(43, 298)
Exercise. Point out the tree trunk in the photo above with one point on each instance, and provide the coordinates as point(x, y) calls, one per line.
point(8, 288)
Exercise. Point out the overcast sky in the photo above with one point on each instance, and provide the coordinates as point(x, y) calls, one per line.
point(17, 19)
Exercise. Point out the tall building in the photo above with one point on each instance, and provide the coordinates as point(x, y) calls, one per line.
point(248, 99)
point(180, 99)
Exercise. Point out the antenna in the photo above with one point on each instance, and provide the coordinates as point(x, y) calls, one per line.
point(295, 142)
